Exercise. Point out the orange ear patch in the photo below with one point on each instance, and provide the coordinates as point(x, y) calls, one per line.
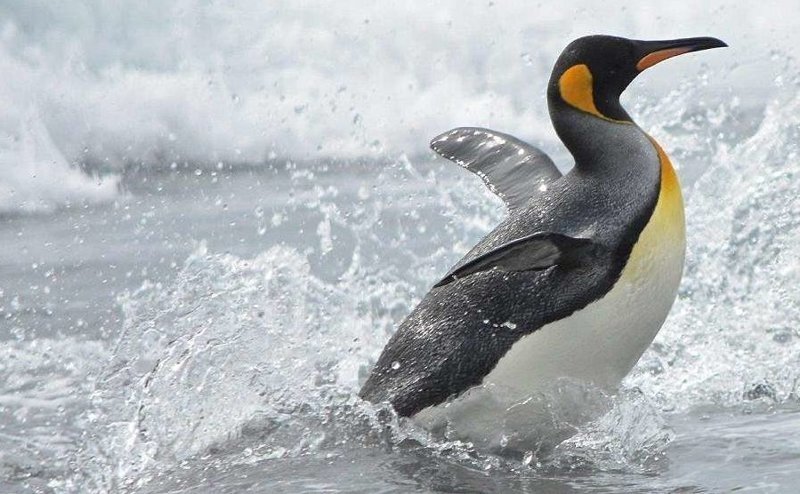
point(651, 59)
point(575, 86)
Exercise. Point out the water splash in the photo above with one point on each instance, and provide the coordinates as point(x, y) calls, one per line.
point(242, 360)
point(43, 389)
point(231, 339)
point(733, 329)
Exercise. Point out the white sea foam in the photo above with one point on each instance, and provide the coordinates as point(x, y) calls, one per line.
point(141, 83)
point(34, 173)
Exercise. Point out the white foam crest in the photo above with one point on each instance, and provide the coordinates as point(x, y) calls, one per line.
point(202, 83)
point(34, 173)
point(206, 82)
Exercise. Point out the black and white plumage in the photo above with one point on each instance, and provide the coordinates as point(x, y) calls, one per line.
point(580, 276)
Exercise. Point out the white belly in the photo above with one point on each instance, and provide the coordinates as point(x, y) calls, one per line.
point(600, 343)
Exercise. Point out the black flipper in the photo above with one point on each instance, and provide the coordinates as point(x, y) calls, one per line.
point(534, 252)
point(512, 169)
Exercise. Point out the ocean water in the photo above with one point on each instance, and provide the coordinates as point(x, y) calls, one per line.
point(212, 217)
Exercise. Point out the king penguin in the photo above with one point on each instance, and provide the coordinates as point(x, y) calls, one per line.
point(580, 276)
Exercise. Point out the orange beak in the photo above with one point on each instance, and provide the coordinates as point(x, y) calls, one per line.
point(653, 52)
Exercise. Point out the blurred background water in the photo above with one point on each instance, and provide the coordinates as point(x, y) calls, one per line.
point(212, 217)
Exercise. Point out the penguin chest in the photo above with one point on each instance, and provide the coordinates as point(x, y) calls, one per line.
point(603, 341)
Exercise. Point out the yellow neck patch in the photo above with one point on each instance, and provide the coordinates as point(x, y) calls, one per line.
point(575, 86)
point(659, 250)
point(670, 186)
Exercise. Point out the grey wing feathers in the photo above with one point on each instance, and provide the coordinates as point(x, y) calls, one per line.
point(540, 250)
point(511, 168)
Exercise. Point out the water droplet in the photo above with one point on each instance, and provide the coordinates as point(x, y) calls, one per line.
point(509, 325)
point(277, 219)
point(395, 365)
point(528, 458)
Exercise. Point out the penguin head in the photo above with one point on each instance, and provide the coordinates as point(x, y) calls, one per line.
point(593, 71)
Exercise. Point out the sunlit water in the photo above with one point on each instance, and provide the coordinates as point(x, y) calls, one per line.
point(195, 312)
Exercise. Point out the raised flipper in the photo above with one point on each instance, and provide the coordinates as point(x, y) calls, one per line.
point(534, 252)
point(512, 169)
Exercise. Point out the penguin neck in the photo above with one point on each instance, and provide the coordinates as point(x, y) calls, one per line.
point(588, 136)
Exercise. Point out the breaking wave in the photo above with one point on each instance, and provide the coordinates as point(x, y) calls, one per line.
point(88, 88)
